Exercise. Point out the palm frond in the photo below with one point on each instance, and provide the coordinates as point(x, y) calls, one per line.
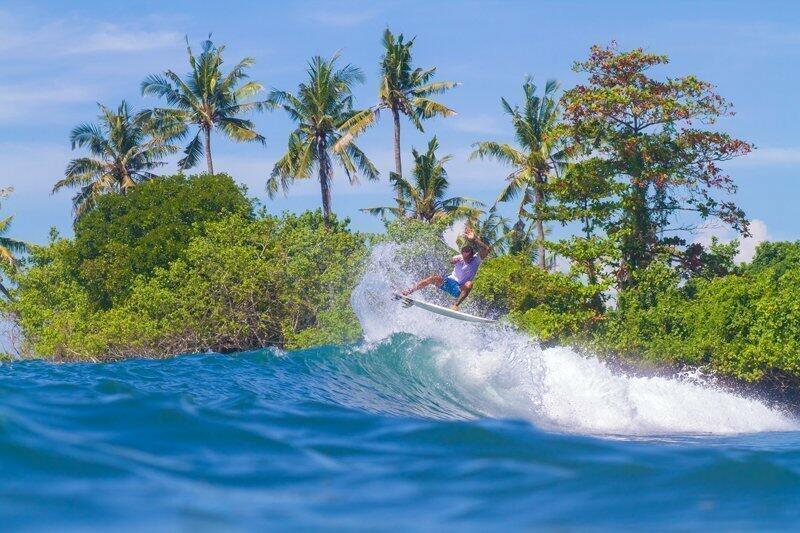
point(355, 126)
point(192, 153)
point(240, 130)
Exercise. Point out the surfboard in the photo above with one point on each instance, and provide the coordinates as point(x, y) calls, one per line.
point(439, 310)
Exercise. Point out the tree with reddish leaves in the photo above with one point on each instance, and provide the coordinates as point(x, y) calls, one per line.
point(652, 137)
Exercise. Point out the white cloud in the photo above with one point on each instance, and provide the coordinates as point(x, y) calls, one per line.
point(747, 245)
point(483, 124)
point(30, 39)
point(341, 20)
point(24, 101)
point(769, 156)
point(112, 38)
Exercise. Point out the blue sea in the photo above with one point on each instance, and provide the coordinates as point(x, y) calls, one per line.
point(374, 437)
point(428, 423)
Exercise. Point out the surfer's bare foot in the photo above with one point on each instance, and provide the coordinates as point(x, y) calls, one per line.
point(454, 307)
point(406, 292)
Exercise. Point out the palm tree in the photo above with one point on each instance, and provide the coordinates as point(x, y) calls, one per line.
point(539, 157)
point(322, 109)
point(9, 248)
point(208, 99)
point(125, 149)
point(494, 230)
point(406, 90)
point(424, 198)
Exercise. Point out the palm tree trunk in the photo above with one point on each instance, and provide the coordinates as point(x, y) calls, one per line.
point(324, 182)
point(398, 164)
point(539, 199)
point(207, 132)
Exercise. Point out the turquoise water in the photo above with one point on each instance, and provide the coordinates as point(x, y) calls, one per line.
point(395, 434)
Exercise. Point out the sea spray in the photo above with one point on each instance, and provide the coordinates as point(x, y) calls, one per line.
point(498, 371)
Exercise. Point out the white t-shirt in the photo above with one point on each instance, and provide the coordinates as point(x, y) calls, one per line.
point(463, 271)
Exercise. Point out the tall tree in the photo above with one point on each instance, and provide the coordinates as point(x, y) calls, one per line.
point(9, 248)
point(494, 230)
point(405, 90)
point(209, 99)
point(539, 156)
point(326, 129)
point(124, 150)
point(641, 132)
point(424, 197)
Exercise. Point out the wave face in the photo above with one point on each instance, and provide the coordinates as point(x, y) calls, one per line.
point(499, 372)
point(429, 423)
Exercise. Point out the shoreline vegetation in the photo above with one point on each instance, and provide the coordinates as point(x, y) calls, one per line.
point(629, 162)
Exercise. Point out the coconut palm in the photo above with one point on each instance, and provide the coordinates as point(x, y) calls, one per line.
point(423, 199)
point(538, 158)
point(406, 90)
point(9, 248)
point(124, 150)
point(209, 99)
point(322, 109)
point(494, 230)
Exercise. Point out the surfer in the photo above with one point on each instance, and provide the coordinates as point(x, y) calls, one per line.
point(465, 265)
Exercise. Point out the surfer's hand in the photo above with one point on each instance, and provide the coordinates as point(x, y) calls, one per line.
point(469, 234)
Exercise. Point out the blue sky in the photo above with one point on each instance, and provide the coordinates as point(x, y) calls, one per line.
point(60, 58)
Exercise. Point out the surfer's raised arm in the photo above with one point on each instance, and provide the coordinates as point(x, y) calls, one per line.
point(484, 248)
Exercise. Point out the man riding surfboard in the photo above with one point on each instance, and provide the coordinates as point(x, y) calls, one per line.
point(458, 283)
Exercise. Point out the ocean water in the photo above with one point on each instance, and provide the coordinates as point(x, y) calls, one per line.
point(427, 423)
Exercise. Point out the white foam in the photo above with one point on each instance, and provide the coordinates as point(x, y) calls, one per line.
point(501, 372)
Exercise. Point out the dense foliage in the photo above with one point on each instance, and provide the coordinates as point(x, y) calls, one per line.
point(184, 265)
point(640, 137)
point(132, 235)
point(743, 323)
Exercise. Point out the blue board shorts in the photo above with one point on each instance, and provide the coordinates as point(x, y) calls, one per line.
point(451, 287)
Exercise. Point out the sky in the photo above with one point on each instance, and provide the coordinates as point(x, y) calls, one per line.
point(59, 59)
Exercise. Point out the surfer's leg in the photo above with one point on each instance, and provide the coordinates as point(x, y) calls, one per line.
point(435, 279)
point(465, 290)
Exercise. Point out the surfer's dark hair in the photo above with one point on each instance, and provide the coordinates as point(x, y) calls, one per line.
point(467, 248)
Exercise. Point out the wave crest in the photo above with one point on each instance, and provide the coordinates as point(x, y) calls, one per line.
point(497, 371)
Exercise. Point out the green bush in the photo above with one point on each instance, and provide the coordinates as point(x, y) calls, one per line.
point(130, 235)
point(550, 305)
point(743, 325)
point(236, 283)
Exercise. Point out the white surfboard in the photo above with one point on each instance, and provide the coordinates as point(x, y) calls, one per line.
point(444, 311)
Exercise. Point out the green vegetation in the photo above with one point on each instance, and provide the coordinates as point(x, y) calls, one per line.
point(183, 264)
point(745, 324)
point(209, 99)
point(10, 248)
point(407, 90)
point(627, 162)
point(129, 236)
point(126, 149)
point(536, 162)
point(326, 126)
point(424, 198)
